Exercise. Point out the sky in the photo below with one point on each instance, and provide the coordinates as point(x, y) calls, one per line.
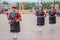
point(27, 0)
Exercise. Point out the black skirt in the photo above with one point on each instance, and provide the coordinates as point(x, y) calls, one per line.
point(15, 27)
point(52, 20)
point(40, 21)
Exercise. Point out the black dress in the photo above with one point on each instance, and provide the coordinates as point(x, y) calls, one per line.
point(52, 17)
point(14, 26)
point(40, 20)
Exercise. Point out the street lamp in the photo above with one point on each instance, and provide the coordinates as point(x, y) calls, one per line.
point(54, 3)
point(38, 2)
point(19, 5)
point(41, 1)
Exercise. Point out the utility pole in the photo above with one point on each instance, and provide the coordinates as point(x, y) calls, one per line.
point(54, 3)
point(19, 5)
point(38, 2)
point(41, 1)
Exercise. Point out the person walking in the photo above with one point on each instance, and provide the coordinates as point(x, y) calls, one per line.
point(1, 9)
point(40, 17)
point(52, 15)
point(14, 17)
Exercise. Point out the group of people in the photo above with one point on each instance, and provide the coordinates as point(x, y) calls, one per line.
point(41, 14)
point(14, 17)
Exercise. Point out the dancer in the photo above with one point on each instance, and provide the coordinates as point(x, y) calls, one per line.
point(52, 15)
point(59, 11)
point(1, 9)
point(14, 17)
point(40, 17)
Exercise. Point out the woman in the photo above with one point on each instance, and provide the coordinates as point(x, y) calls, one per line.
point(59, 11)
point(14, 17)
point(52, 17)
point(40, 17)
point(1, 9)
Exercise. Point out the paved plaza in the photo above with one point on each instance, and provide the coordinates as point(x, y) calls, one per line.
point(29, 29)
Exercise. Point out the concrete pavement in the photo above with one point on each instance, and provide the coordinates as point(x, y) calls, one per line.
point(29, 30)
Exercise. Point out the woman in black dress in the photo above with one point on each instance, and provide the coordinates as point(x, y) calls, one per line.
point(52, 17)
point(1, 9)
point(14, 20)
point(40, 17)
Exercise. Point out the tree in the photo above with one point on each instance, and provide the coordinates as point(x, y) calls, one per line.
point(17, 6)
point(5, 3)
point(47, 5)
point(27, 5)
point(58, 2)
point(34, 5)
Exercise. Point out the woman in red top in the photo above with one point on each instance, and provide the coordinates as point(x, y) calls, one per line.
point(14, 17)
point(6, 12)
point(40, 17)
point(52, 16)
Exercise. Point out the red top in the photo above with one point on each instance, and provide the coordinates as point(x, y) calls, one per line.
point(43, 12)
point(54, 10)
point(17, 18)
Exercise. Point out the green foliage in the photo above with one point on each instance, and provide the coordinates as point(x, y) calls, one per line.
point(58, 2)
point(17, 6)
point(5, 3)
point(47, 5)
point(27, 5)
point(34, 5)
